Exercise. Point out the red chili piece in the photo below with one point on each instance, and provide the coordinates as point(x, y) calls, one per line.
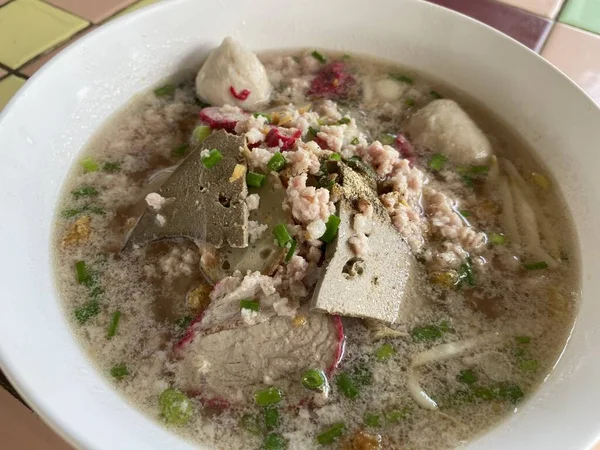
point(242, 95)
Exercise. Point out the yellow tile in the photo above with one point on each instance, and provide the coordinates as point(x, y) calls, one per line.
point(30, 27)
point(2, 72)
point(8, 87)
point(138, 5)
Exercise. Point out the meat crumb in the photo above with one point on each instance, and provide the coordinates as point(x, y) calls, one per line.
point(359, 244)
point(253, 202)
point(255, 230)
point(155, 201)
point(161, 220)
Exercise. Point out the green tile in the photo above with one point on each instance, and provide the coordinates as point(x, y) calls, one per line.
point(8, 87)
point(30, 27)
point(583, 14)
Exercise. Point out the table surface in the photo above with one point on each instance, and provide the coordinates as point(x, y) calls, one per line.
point(565, 32)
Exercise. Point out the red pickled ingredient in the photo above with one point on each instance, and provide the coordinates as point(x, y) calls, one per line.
point(333, 81)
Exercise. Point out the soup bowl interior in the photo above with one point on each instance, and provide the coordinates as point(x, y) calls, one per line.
point(52, 117)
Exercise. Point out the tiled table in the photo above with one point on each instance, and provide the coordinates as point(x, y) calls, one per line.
point(566, 32)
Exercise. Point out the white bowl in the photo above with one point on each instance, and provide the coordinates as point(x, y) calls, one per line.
point(53, 116)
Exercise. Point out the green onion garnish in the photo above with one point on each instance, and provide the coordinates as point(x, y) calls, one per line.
point(344, 121)
point(119, 371)
point(402, 78)
point(72, 212)
point(437, 161)
point(114, 323)
point(250, 423)
point(522, 339)
point(331, 434)
point(82, 272)
point(335, 157)
point(479, 170)
point(466, 275)
point(167, 89)
point(86, 191)
point(536, 265)
point(395, 415)
point(89, 165)
point(180, 150)
point(271, 418)
point(276, 163)
point(274, 441)
point(333, 223)
point(385, 352)
point(87, 311)
point(435, 94)
point(175, 407)
point(529, 365)
point(410, 102)
point(269, 117)
point(372, 420)
point(467, 376)
point(346, 386)
point(253, 305)
point(426, 333)
point(510, 392)
point(354, 141)
point(256, 180)
point(291, 251)
point(314, 379)
point(212, 159)
point(387, 139)
point(318, 56)
point(200, 133)
point(111, 167)
point(282, 235)
point(268, 396)
point(496, 238)
point(465, 213)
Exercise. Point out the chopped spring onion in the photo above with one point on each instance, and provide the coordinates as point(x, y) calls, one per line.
point(175, 407)
point(435, 94)
point(87, 311)
point(111, 167)
point(274, 441)
point(167, 89)
point(256, 180)
point(479, 170)
point(82, 272)
point(437, 161)
point(268, 396)
point(282, 235)
point(212, 159)
point(314, 379)
point(344, 121)
point(522, 339)
point(496, 238)
point(181, 150)
point(510, 392)
point(467, 376)
point(529, 365)
point(114, 323)
point(331, 434)
point(86, 191)
point(372, 420)
point(410, 102)
point(384, 352)
point(536, 265)
point(331, 228)
point(319, 57)
point(269, 117)
point(250, 304)
point(395, 415)
point(291, 251)
point(72, 212)
point(271, 418)
point(354, 141)
point(426, 333)
point(312, 133)
point(335, 157)
point(347, 386)
point(387, 139)
point(200, 133)
point(251, 424)
point(119, 371)
point(466, 275)
point(465, 213)
point(276, 163)
point(402, 78)
point(89, 165)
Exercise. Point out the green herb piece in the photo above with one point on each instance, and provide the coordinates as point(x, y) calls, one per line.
point(354, 141)
point(167, 89)
point(466, 275)
point(387, 139)
point(200, 133)
point(282, 235)
point(312, 133)
point(82, 272)
point(331, 434)
point(274, 441)
point(465, 213)
point(437, 161)
point(119, 371)
point(175, 407)
point(347, 386)
point(276, 163)
point(314, 379)
point(89, 165)
point(529, 365)
point(114, 323)
point(212, 159)
point(256, 180)
point(510, 392)
point(400, 77)
point(536, 265)
point(253, 305)
point(344, 121)
point(362, 376)
point(269, 117)
point(86, 191)
point(268, 396)
point(272, 420)
point(182, 323)
point(384, 352)
point(335, 157)
point(435, 94)
point(291, 251)
point(409, 102)
point(181, 150)
point(484, 393)
point(396, 415)
point(426, 333)
point(111, 167)
point(88, 310)
point(331, 228)
point(479, 170)
point(467, 376)
point(251, 424)
point(496, 238)
point(372, 420)
point(319, 57)
point(522, 339)
point(72, 212)
point(468, 180)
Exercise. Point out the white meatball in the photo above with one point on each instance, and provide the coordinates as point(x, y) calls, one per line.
point(443, 127)
point(229, 71)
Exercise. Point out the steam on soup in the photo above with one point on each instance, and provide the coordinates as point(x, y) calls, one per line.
point(314, 249)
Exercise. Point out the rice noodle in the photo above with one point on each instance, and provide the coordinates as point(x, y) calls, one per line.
point(508, 220)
